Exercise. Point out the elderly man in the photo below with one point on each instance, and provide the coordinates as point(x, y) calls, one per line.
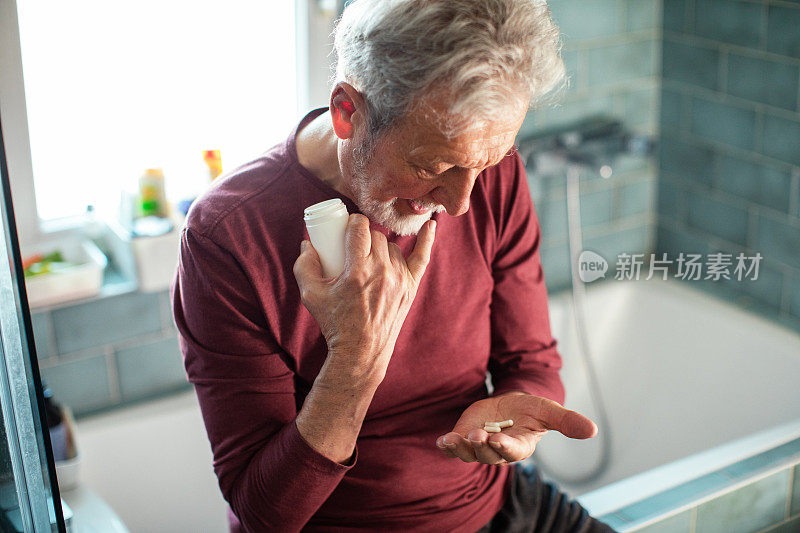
point(359, 402)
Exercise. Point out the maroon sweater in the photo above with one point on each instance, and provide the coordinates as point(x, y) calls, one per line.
point(252, 352)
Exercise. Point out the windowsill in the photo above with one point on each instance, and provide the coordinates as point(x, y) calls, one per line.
point(114, 284)
point(129, 268)
point(59, 225)
point(121, 275)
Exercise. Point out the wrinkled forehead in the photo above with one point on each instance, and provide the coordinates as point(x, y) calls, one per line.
point(481, 144)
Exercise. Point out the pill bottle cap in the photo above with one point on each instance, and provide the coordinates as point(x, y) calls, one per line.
point(324, 211)
point(154, 173)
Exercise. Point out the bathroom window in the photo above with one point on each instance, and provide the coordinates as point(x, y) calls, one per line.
point(114, 88)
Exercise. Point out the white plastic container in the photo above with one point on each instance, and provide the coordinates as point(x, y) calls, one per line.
point(82, 280)
point(326, 223)
point(156, 260)
point(151, 261)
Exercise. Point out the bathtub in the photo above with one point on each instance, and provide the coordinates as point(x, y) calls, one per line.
point(692, 384)
point(151, 463)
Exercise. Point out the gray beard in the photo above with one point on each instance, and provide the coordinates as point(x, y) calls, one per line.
point(384, 213)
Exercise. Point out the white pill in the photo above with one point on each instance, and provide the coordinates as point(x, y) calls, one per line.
point(495, 424)
point(506, 423)
point(492, 429)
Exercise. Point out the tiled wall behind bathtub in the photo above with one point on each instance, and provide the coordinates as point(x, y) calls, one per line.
point(109, 351)
point(730, 130)
point(612, 54)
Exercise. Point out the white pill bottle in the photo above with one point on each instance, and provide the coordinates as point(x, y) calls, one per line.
point(326, 223)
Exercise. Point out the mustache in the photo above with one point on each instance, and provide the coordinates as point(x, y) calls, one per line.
point(435, 206)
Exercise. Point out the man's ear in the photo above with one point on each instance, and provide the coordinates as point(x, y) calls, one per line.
point(347, 109)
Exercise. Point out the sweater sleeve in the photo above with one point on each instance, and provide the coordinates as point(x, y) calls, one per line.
point(271, 478)
point(524, 356)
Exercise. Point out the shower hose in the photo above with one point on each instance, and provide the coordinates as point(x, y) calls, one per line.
point(575, 240)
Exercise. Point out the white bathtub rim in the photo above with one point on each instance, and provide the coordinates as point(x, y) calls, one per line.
point(731, 486)
point(615, 496)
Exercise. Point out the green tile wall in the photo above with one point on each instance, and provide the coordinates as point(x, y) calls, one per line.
point(723, 123)
point(729, 175)
point(82, 382)
point(681, 522)
point(612, 54)
point(750, 508)
point(759, 494)
point(782, 35)
point(642, 14)
point(768, 81)
point(674, 17)
point(612, 64)
point(109, 352)
point(101, 321)
point(780, 137)
point(727, 21)
point(790, 526)
point(150, 368)
point(755, 182)
point(693, 64)
point(717, 217)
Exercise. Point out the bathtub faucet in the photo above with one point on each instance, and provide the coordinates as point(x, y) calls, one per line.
point(594, 144)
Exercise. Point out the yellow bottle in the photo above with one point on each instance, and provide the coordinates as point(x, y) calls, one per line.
point(214, 161)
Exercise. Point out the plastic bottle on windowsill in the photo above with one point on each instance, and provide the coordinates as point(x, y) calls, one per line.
point(213, 160)
point(152, 195)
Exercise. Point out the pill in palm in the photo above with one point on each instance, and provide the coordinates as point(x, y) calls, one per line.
point(499, 425)
point(492, 429)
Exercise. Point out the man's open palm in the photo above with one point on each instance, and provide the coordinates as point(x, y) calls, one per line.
point(533, 416)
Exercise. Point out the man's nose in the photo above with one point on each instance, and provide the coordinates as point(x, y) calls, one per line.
point(455, 190)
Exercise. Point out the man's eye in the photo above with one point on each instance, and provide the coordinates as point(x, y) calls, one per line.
point(424, 173)
point(429, 174)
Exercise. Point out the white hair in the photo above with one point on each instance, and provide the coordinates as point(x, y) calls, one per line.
point(484, 55)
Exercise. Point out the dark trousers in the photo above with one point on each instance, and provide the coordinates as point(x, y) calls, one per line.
point(534, 506)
